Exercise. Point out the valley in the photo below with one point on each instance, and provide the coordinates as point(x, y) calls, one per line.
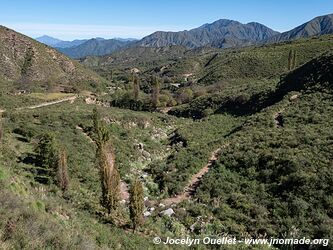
point(190, 133)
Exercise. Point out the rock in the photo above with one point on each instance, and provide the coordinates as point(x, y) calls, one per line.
point(148, 203)
point(293, 97)
point(144, 176)
point(140, 146)
point(145, 198)
point(132, 124)
point(90, 100)
point(161, 205)
point(135, 70)
point(151, 209)
point(146, 154)
point(146, 214)
point(192, 227)
point(167, 212)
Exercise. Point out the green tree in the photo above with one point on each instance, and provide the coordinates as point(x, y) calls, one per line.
point(62, 171)
point(292, 60)
point(47, 157)
point(101, 132)
point(111, 75)
point(136, 203)
point(185, 95)
point(136, 87)
point(1, 129)
point(109, 176)
point(155, 91)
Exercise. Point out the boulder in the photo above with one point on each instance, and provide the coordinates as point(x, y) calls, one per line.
point(167, 212)
point(293, 97)
point(146, 214)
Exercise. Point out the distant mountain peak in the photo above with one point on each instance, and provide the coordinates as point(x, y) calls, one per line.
point(48, 40)
point(317, 26)
point(222, 33)
point(95, 47)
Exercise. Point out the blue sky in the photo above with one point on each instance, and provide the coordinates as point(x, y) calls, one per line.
point(97, 18)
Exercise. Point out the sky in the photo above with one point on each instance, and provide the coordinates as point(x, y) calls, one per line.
point(68, 20)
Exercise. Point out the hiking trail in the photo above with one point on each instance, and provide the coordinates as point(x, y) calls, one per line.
point(71, 99)
point(194, 182)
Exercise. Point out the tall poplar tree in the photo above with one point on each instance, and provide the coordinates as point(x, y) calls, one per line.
point(136, 203)
point(109, 174)
point(1, 129)
point(62, 171)
point(136, 87)
point(155, 91)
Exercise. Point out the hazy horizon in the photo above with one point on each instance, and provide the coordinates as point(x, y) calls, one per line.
point(71, 20)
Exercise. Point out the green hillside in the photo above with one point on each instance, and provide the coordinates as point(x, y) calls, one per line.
point(242, 147)
point(274, 177)
point(242, 74)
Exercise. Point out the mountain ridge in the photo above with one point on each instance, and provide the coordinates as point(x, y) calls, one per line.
point(48, 40)
point(218, 32)
point(320, 25)
point(26, 61)
point(223, 33)
point(95, 47)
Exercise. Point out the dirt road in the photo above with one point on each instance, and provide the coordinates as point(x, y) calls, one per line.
point(194, 182)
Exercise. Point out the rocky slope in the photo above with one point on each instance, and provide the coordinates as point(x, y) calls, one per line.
point(222, 33)
point(321, 25)
point(25, 61)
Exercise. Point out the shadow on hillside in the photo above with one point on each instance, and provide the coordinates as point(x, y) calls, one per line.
point(32, 165)
point(316, 75)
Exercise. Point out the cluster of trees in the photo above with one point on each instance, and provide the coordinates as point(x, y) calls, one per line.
point(134, 98)
point(51, 159)
point(52, 168)
point(110, 177)
point(141, 98)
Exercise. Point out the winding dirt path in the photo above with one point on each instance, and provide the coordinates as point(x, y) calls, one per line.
point(191, 187)
point(44, 104)
point(165, 110)
point(71, 99)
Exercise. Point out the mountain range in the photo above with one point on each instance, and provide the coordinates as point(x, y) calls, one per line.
point(57, 43)
point(222, 33)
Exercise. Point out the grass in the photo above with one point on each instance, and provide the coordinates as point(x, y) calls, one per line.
point(274, 180)
point(268, 181)
point(38, 218)
point(82, 200)
point(199, 139)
